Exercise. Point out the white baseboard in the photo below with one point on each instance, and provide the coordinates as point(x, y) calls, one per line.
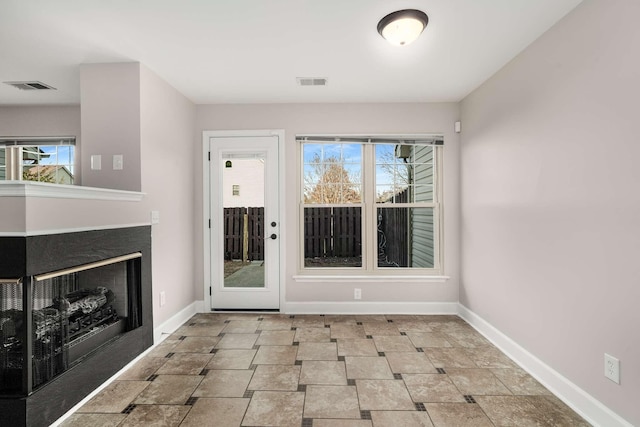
point(580, 401)
point(366, 307)
point(174, 322)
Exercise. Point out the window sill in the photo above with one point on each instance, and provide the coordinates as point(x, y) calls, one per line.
point(333, 278)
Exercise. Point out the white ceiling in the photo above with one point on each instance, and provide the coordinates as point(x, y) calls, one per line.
point(251, 51)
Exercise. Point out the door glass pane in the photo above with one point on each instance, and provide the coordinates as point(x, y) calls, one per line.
point(243, 193)
point(405, 237)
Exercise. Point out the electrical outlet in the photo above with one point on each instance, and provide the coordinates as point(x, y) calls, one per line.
point(357, 293)
point(612, 368)
point(163, 298)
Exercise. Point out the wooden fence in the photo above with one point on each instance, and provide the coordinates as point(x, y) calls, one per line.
point(328, 232)
point(244, 234)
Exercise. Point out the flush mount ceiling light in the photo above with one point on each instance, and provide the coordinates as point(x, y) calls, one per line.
point(402, 27)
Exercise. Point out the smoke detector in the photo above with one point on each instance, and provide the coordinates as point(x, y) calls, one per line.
point(311, 81)
point(33, 85)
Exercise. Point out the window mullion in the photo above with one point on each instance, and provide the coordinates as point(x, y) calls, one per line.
point(370, 218)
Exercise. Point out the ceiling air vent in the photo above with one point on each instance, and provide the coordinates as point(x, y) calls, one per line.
point(30, 85)
point(311, 81)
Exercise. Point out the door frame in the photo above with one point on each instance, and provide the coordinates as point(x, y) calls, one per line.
point(206, 203)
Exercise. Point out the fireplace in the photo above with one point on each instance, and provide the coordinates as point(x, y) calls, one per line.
point(74, 309)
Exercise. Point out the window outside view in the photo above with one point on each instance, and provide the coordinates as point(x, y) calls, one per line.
point(43, 163)
point(381, 196)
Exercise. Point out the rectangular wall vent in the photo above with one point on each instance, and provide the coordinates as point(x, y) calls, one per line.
point(35, 85)
point(311, 81)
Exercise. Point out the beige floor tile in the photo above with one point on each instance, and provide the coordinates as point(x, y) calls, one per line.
point(276, 324)
point(432, 388)
point(346, 330)
point(317, 351)
point(489, 357)
point(238, 341)
point(308, 321)
point(428, 339)
point(201, 330)
point(276, 355)
point(196, 345)
point(313, 335)
point(337, 319)
point(232, 359)
point(341, 423)
point(162, 349)
point(169, 390)
point(224, 383)
point(400, 418)
point(412, 326)
point(331, 402)
point(368, 368)
point(93, 420)
point(115, 397)
point(323, 372)
point(356, 347)
point(143, 369)
point(477, 382)
point(371, 318)
point(519, 382)
point(471, 339)
point(156, 416)
point(275, 377)
point(384, 395)
point(185, 364)
point(217, 411)
point(457, 415)
point(241, 327)
point(449, 358)
point(557, 413)
point(410, 363)
point(393, 343)
point(511, 411)
point(275, 408)
point(276, 338)
point(380, 328)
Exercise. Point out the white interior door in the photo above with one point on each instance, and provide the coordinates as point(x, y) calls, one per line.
point(245, 224)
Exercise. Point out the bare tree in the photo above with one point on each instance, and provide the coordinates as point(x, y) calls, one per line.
point(328, 181)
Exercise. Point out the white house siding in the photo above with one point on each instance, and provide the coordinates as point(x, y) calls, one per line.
point(249, 175)
point(421, 224)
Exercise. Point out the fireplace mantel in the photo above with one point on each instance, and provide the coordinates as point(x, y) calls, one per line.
point(61, 191)
point(35, 208)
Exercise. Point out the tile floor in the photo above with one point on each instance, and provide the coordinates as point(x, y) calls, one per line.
point(324, 371)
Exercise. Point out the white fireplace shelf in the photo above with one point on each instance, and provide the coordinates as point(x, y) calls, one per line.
point(61, 191)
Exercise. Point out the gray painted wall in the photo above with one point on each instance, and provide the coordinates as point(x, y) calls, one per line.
point(550, 248)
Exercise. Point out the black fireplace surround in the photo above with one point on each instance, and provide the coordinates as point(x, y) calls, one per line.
point(78, 307)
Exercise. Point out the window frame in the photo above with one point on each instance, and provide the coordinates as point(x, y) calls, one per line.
point(7, 143)
point(369, 206)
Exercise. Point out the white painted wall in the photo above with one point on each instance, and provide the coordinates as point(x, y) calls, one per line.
point(43, 121)
point(347, 119)
point(167, 121)
point(550, 200)
point(110, 107)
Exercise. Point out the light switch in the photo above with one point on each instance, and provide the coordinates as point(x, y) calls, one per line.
point(155, 217)
point(117, 162)
point(96, 162)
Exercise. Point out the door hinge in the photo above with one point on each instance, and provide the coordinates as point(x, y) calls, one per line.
point(209, 223)
point(209, 155)
point(209, 290)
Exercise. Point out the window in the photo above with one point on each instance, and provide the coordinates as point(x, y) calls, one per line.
point(371, 204)
point(38, 159)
